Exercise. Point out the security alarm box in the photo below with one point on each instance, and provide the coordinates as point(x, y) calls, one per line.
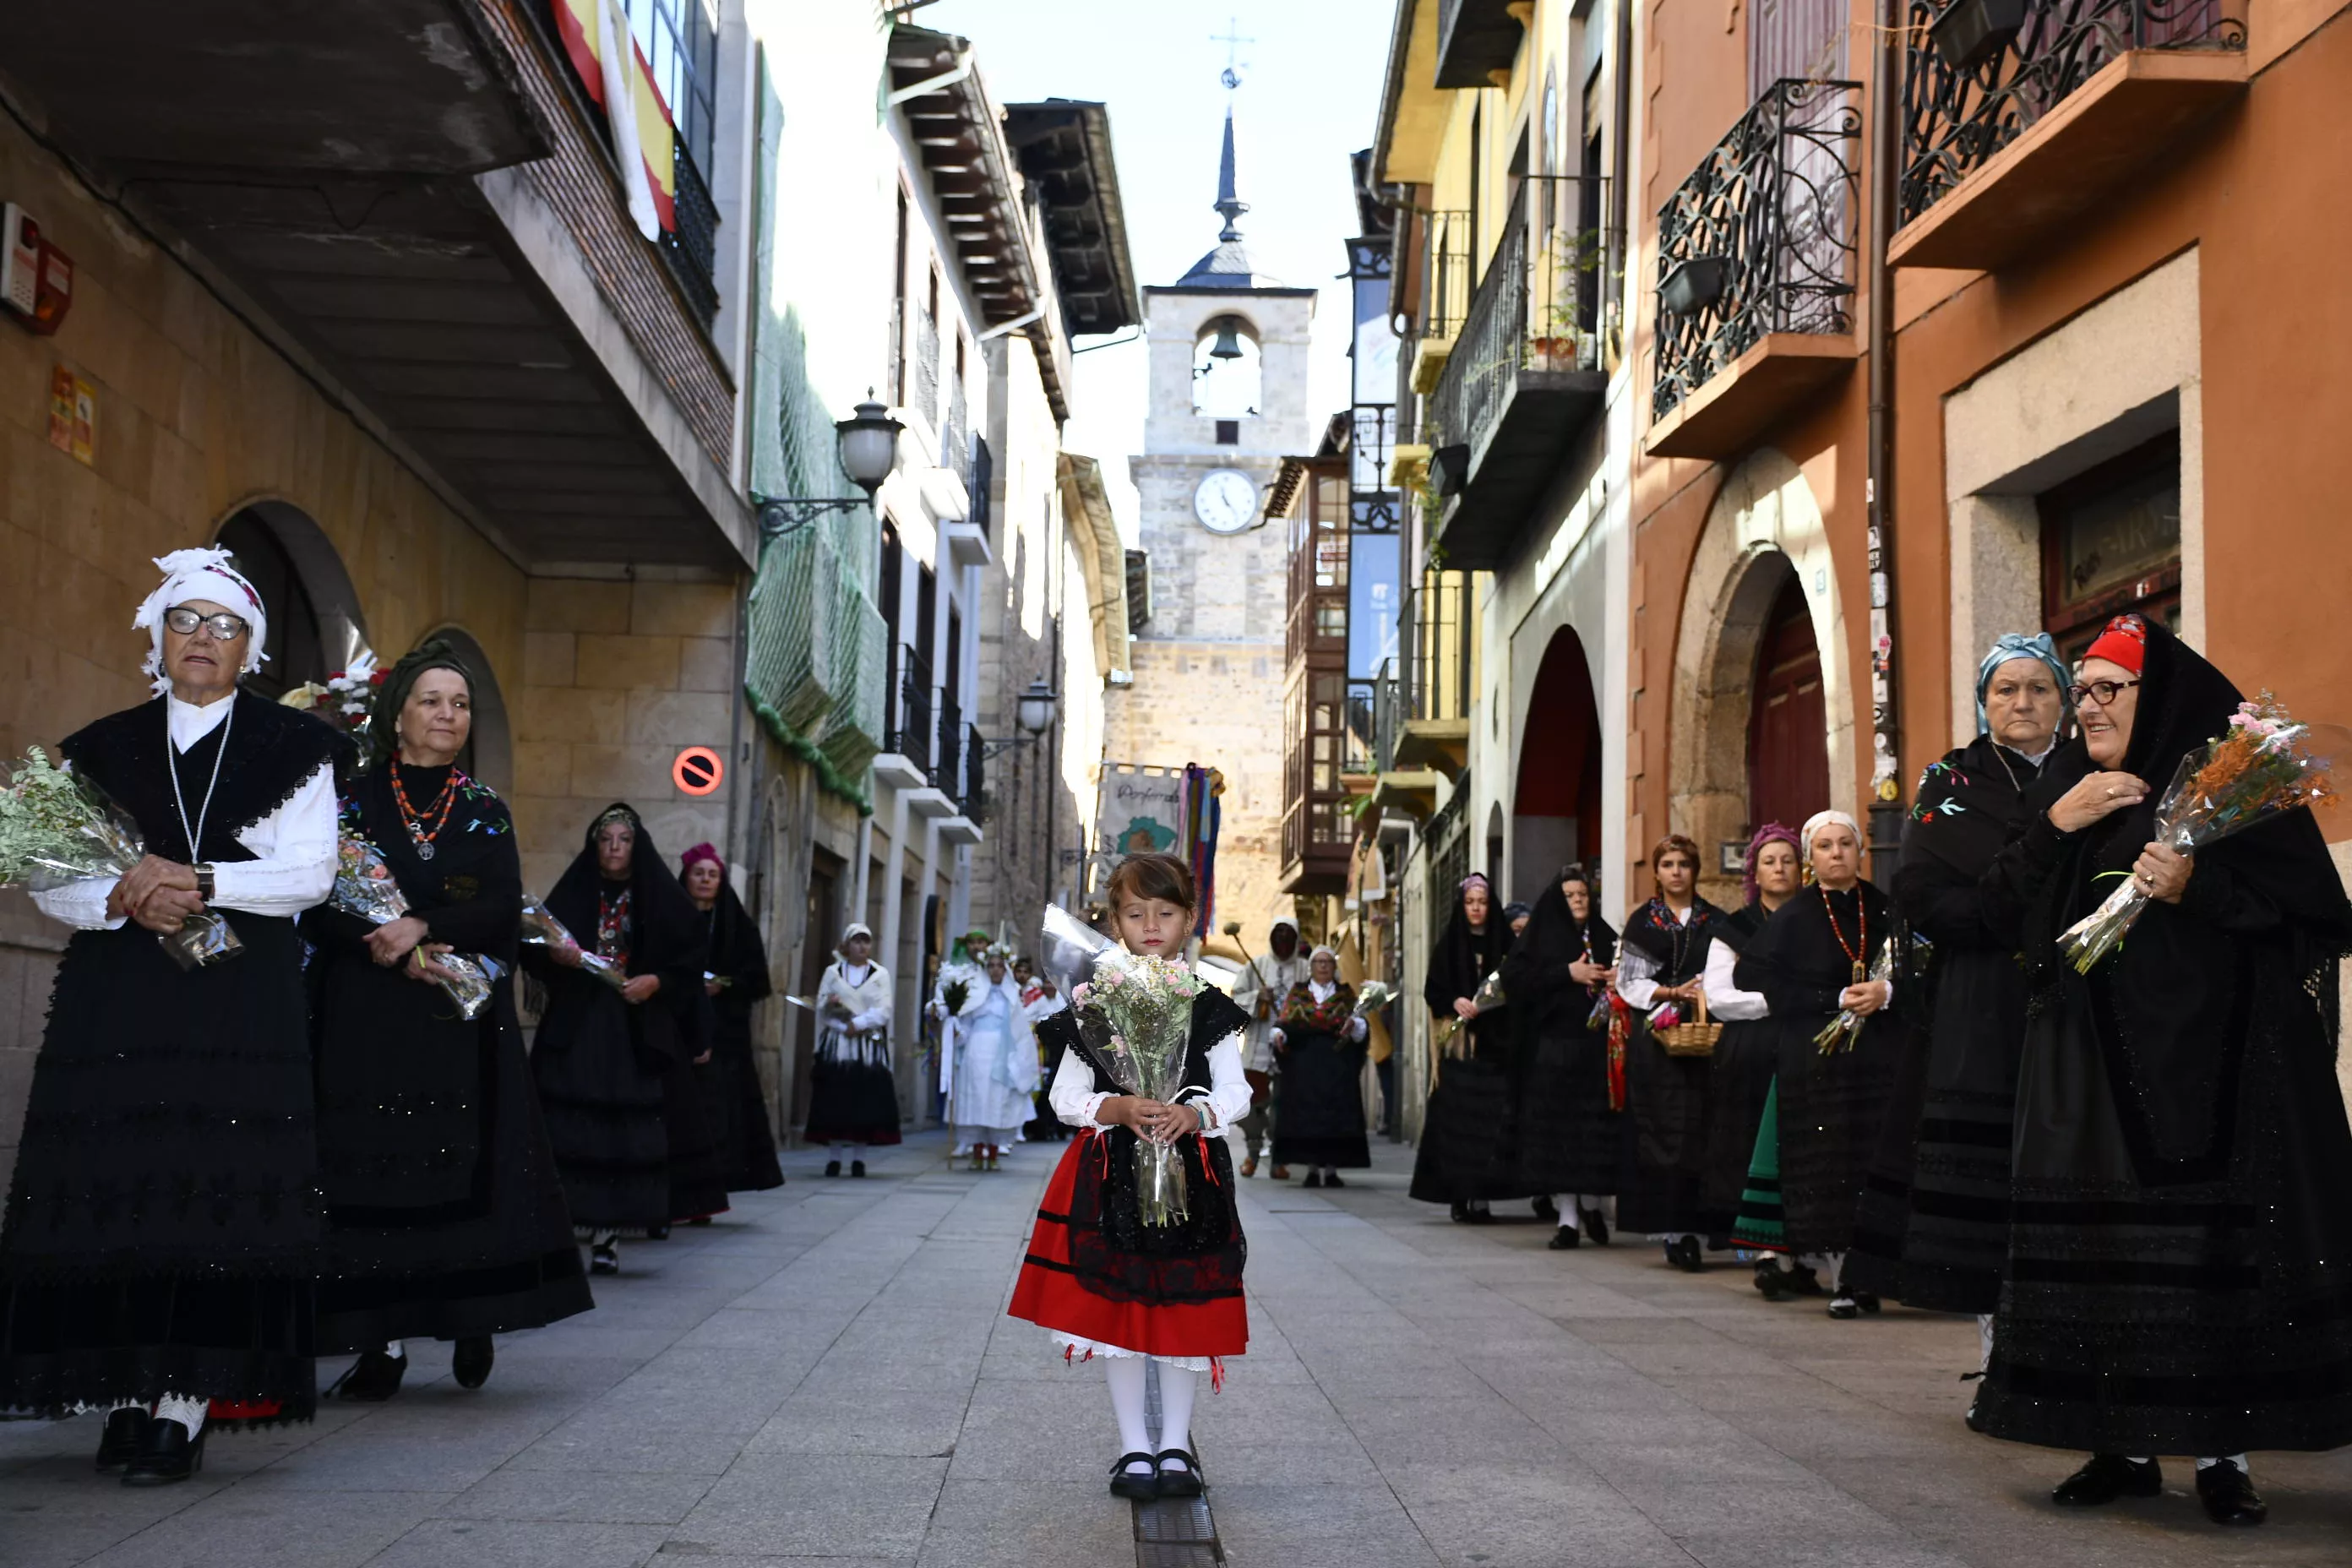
point(20, 259)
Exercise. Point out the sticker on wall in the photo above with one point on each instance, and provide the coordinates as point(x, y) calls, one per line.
point(73, 416)
point(698, 770)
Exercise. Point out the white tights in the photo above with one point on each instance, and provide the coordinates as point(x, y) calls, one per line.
point(1127, 1401)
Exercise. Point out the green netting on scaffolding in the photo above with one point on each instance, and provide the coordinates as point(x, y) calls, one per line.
point(853, 732)
point(790, 665)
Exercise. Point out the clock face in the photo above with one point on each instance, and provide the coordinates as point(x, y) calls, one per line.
point(1226, 501)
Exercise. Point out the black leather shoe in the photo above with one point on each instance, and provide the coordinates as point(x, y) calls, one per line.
point(1683, 1255)
point(373, 1379)
point(1333, 1180)
point(1460, 1214)
point(2111, 1476)
point(833, 1167)
point(858, 1167)
point(472, 1362)
point(1141, 1487)
point(1801, 1280)
point(1314, 1179)
point(166, 1455)
point(125, 1429)
point(603, 1259)
point(1866, 1302)
point(1478, 1217)
point(1844, 1307)
point(1183, 1481)
point(1595, 1226)
point(1563, 1239)
point(1546, 1209)
point(2228, 1495)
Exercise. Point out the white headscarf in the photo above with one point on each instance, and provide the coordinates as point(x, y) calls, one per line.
point(199, 574)
point(1322, 951)
point(1821, 819)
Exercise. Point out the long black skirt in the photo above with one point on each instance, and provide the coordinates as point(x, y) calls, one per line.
point(698, 1183)
point(1933, 1228)
point(853, 1098)
point(1832, 1108)
point(1322, 1121)
point(444, 1215)
point(735, 1108)
point(2207, 1315)
point(161, 1234)
point(1568, 1140)
point(603, 1097)
point(1747, 1057)
point(1668, 1099)
point(1465, 1136)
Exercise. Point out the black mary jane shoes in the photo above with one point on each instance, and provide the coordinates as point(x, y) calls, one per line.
point(166, 1455)
point(126, 1430)
point(1138, 1486)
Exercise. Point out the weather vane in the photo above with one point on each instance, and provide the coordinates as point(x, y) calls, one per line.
point(1233, 41)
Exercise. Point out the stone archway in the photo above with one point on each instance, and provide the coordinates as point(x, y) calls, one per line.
point(1764, 511)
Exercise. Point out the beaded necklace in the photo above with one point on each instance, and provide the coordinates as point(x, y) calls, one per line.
point(1861, 933)
point(438, 812)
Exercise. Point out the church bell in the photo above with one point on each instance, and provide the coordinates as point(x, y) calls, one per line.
point(1228, 344)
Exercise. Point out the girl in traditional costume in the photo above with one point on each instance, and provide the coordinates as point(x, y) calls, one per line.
point(1320, 1042)
point(1571, 1097)
point(852, 1098)
point(1106, 1285)
point(446, 1218)
point(733, 1103)
point(1660, 961)
point(1465, 1159)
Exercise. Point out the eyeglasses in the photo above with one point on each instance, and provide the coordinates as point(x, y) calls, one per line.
point(223, 627)
point(2103, 692)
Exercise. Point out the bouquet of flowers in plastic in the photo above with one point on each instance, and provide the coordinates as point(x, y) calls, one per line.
point(541, 928)
point(364, 887)
point(1146, 1005)
point(56, 827)
point(347, 699)
point(2263, 763)
point(1838, 1034)
point(1488, 996)
point(1375, 995)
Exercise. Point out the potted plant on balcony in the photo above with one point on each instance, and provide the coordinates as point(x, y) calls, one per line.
point(1562, 339)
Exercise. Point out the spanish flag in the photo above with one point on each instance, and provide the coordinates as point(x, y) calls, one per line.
point(596, 35)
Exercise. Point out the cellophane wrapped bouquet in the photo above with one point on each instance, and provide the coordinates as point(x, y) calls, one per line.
point(1838, 1034)
point(541, 928)
point(1375, 995)
point(1146, 1003)
point(56, 827)
point(1489, 996)
point(2264, 762)
point(364, 887)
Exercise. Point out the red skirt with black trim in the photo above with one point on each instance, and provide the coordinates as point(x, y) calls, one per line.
point(1050, 1294)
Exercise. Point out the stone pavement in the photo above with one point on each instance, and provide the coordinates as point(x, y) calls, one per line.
point(824, 1379)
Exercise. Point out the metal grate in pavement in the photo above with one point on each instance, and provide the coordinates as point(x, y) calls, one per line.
point(1173, 1532)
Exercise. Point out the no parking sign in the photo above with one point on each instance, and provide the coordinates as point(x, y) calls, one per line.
point(698, 770)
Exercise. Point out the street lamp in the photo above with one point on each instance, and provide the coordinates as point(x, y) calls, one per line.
point(868, 447)
point(1034, 711)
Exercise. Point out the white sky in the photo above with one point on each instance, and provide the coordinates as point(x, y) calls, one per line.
point(1310, 88)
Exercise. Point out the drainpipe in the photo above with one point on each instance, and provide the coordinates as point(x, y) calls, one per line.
point(1886, 787)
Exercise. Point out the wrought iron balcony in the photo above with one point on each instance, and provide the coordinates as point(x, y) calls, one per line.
point(692, 247)
point(2017, 114)
point(973, 797)
point(1527, 374)
point(1756, 255)
point(947, 762)
point(911, 733)
point(1477, 40)
point(1449, 274)
point(927, 367)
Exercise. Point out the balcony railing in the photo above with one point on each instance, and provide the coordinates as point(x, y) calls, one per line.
point(1761, 237)
point(1965, 98)
point(691, 248)
point(1449, 271)
point(927, 368)
point(1387, 694)
point(1527, 370)
point(955, 436)
point(980, 481)
point(947, 764)
point(973, 796)
point(1439, 662)
point(910, 733)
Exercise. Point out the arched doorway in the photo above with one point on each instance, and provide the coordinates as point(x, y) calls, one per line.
point(315, 625)
point(1556, 801)
point(1788, 767)
point(490, 751)
point(1761, 577)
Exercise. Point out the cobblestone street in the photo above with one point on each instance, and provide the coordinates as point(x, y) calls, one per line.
point(825, 1377)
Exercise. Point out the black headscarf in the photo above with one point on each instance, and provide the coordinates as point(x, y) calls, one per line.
point(2171, 1004)
point(383, 718)
point(737, 952)
point(1464, 956)
point(1545, 998)
point(668, 937)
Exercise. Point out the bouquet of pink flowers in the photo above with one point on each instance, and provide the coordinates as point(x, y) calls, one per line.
point(541, 928)
point(364, 887)
point(1146, 1005)
point(2264, 762)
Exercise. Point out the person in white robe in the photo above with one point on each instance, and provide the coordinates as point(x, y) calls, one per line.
point(987, 1064)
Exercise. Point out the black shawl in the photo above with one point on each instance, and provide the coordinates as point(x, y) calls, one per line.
point(1797, 963)
point(1677, 947)
point(1969, 807)
point(2171, 1002)
point(737, 956)
point(272, 753)
point(1546, 1000)
point(1463, 959)
point(668, 939)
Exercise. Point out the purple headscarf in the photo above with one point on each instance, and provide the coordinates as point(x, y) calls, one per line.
point(1769, 833)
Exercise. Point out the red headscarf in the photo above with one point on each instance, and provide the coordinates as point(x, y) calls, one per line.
point(2123, 642)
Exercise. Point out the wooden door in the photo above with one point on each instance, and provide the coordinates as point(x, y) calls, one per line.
point(1788, 753)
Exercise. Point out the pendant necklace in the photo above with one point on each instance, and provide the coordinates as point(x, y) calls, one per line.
point(1861, 933)
point(172, 762)
point(415, 820)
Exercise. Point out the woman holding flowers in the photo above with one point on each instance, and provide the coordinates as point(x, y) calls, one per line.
point(1319, 1041)
point(1112, 1271)
point(614, 1066)
point(988, 1063)
point(1572, 1086)
point(1821, 962)
point(2179, 1268)
point(445, 1214)
point(1465, 1159)
point(852, 1098)
point(161, 1076)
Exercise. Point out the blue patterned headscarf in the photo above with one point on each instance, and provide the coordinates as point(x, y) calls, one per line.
point(2013, 645)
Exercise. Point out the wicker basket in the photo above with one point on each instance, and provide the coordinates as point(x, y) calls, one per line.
point(1694, 1038)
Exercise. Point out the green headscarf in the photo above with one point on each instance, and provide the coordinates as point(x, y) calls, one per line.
point(383, 720)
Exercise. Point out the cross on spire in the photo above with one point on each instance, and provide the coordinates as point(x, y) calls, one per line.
point(1233, 41)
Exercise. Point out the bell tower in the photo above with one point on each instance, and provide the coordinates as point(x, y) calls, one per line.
point(1228, 402)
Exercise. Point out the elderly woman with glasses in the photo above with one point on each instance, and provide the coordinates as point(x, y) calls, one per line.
point(161, 1234)
point(2180, 1269)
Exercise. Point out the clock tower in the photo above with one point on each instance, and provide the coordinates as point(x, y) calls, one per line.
point(1228, 402)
